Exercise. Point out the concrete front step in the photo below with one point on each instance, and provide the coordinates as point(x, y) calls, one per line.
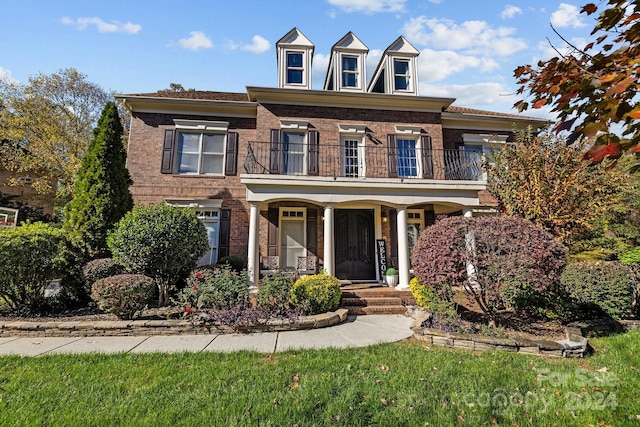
point(376, 309)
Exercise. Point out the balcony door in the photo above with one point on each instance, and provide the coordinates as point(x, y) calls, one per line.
point(355, 244)
point(353, 157)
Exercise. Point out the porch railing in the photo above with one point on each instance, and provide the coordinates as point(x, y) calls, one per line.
point(370, 161)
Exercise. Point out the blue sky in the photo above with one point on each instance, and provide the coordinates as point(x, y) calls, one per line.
point(469, 48)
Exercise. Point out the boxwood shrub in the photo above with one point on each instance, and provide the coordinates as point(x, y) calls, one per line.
point(317, 293)
point(99, 269)
point(124, 294)
point(611, 286)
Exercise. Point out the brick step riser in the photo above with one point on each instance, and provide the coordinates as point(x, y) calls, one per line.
point(371, 301)
point(376, 310)
point(377, 294)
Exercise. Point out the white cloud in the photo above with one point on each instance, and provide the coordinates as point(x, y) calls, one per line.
point(567, 15)
point(435, 1)
point(259, 45)
point(102, 26)
point(469, 95)
point(319, 67)
point(369, 6)
point(476, 37)
point(510, 11)
point(546, 51)
point(6, 77)
point(436, 65)
point(197, 40)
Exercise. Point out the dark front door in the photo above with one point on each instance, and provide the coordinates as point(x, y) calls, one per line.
point(355, 244)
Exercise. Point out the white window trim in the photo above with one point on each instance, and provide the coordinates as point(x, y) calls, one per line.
point(287, 125)
point(305, 148)
point(409, 74)
point(200, 153)
point(408, 130)
point(302, 68)
point(357, 72)
point(362, 172)
point(352, 128)
point(212, 126)
point(414, 137)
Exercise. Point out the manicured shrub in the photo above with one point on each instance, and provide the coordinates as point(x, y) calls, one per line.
point(214, 289)
point(317, 293)
point(611, 286)
point(29, 260)
point(631, 257)
point(482, 254)
point(123, 295)
point(274, 294)
point(99, 269)
point(160, 241)
point(234, 262)
point(426, 297)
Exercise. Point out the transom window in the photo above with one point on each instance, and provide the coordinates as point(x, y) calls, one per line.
point(201, 153)
point(350, 72)
point(401, 74)
point(295, 67)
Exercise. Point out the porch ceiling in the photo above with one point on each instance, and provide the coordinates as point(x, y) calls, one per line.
point(389, 191)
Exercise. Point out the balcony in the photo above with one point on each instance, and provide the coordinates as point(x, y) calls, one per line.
point(357, 161)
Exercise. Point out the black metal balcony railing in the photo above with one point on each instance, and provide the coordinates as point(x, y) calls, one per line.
point(371, 161)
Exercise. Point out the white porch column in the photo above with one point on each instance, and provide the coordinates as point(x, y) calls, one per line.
point(253, 261)
point(403, 249)
point(329, 245)
point(467, 213)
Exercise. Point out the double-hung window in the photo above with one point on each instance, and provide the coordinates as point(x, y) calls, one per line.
point(350, 72)
point(200, 147)
point(401, 75)
point(201, 153)
point(293, 153)
point(295, 67)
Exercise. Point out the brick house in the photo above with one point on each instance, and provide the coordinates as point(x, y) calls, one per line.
point(290, 174)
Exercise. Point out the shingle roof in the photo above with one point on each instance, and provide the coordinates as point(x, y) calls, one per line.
point(465, 110)
point(196, 94)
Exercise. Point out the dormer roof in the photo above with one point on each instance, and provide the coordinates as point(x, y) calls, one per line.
point(294, 52)
point(347, 65)
point(397, 70)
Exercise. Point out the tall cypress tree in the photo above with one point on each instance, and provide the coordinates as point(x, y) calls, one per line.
point(101, 193)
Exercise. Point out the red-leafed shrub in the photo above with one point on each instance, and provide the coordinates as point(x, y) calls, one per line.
point(485, 255)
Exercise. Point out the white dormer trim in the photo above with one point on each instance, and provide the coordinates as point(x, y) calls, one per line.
point(215, 126)
point(348, 47)
point(352, 128)
point(294, 45)
point(293, 124)
point(384, 78)
point(408, 130)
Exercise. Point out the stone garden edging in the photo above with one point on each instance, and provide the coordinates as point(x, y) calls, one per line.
point(574, 345)
point(158, 327)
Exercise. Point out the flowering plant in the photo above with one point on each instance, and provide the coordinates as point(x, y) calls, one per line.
point(213, 288)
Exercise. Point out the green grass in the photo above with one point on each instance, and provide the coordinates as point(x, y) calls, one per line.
point(402, 384)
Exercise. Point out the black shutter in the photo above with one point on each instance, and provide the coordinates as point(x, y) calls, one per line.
point(312, 232)
point(429, 217)
point(167, 152)
point(274, 158)
point(427, 157)
point(231, 161)
point(393, 156)
point(272, 237)
point(225, 233)
point(312, 164)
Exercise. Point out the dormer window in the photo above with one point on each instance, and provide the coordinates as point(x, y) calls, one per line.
point(397, 71)
point(295, 68)
point(401, 74)
point(350, 72)
point(347, 70)
point(294, 52)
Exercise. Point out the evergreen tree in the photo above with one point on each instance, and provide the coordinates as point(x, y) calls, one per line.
point(101, 193)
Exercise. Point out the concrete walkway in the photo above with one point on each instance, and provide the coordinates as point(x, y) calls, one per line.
point(357, 331)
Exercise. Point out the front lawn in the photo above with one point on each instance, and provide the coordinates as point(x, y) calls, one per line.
point(384, 385)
